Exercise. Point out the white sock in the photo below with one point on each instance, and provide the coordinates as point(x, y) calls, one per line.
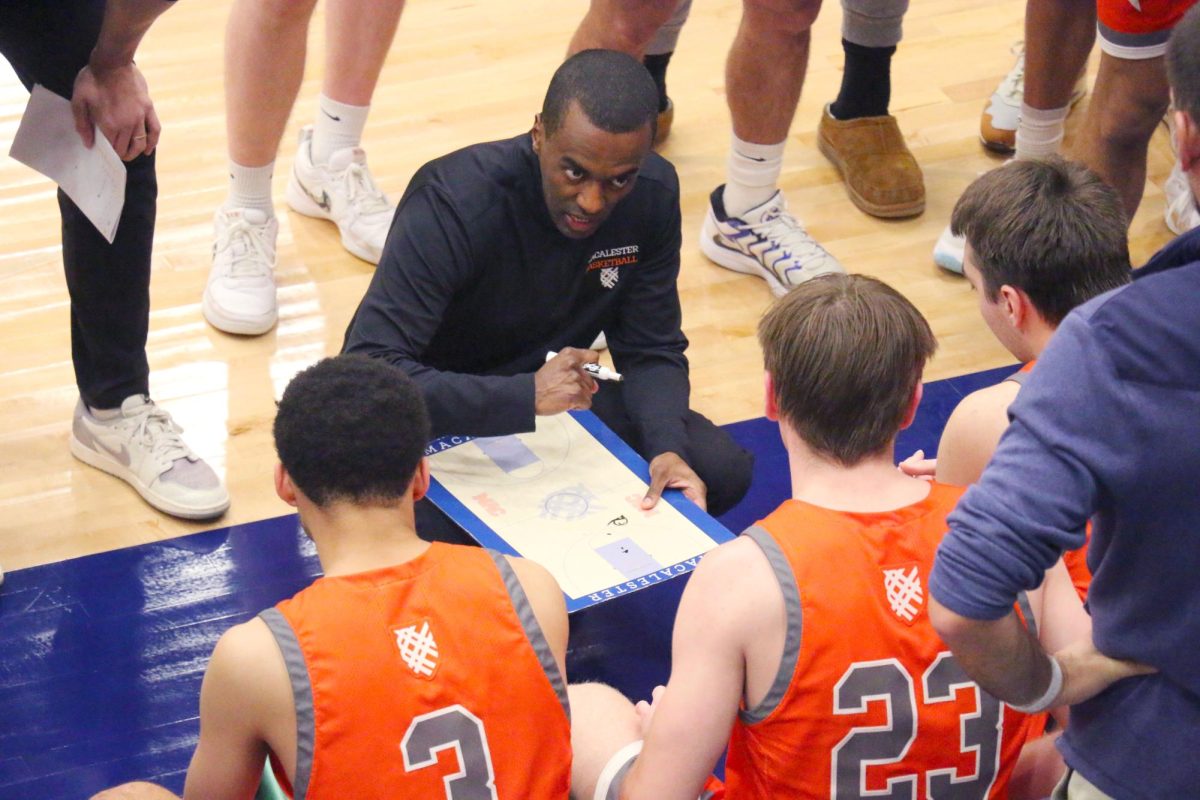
point(1040, 132)
point(338, 126)
point(752, 176)
point(250, 187)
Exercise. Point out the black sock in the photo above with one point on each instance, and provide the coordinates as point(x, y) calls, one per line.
point(866, 83)
point(656, 65)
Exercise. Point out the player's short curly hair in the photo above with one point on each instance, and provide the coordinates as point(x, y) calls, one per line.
point(845, 353)
point(353, 429)
point(614, 91)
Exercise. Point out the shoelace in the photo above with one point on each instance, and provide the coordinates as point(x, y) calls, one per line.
point(249, 249)
point(362, 193)
point(1013, 85)
point(154, 428)
point(787, 234)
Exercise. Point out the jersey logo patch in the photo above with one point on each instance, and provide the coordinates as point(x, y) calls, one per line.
point(418, 649)
point(609, 277)
point(904, 592)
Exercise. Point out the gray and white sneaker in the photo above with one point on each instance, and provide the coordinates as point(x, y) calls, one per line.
point(766, 241)
point(140, 444)
point(343, 192)
point(240, 294)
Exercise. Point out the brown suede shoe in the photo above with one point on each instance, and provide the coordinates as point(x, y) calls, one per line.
point(881, 175)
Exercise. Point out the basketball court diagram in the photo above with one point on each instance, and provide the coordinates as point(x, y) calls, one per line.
point(567, 496)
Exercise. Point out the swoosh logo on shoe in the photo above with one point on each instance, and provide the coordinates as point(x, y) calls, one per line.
point(121, 455)
point(322, 201)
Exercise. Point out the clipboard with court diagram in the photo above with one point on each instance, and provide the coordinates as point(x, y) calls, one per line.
point(568, 496)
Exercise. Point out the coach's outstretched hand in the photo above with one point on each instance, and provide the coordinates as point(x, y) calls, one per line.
point(669, 471)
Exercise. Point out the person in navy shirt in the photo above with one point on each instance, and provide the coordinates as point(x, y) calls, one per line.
point(502, 252)
point(1106, 428)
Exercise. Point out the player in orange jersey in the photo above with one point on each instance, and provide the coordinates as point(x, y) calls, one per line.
point(1042, 238)
point(410, 669)
point(807, 637)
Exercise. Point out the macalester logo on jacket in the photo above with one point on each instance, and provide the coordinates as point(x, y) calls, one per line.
point(609, 262)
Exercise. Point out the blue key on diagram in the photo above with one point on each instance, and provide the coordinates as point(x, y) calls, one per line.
point(508, 453)
point(628, 558)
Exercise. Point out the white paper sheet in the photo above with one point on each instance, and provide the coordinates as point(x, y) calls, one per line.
point(48, 142)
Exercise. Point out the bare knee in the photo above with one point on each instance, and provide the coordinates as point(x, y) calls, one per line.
point(789, 17)
point(629, 25)
point(1129, 99)
point(603, 722)
point(600, 704)
point(1130, 118)
point(283, 13)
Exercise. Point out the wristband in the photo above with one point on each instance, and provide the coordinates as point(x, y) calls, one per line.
point(1047, 699)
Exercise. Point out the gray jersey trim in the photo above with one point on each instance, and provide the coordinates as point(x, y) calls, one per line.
point(533, 631)
point(1027, 613)
point(1140, 40)
point(1017, 377)
point(302, 696)
point(791, 642)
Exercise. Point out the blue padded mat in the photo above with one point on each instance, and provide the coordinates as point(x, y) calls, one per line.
point(101, 657)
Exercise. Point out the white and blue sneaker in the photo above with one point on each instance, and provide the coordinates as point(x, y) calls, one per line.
point(140, 444)
point(766, 241)
point(948, 251)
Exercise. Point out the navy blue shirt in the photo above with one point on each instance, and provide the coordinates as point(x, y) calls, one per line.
point(1107, 427)
point(476, 285)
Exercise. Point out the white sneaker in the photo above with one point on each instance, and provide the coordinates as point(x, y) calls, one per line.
point(1001, 117)
point(141, 446)
point(240, 295)
point(344, 192)
point(766, 241)
point(1180, 214)
point(948, 251)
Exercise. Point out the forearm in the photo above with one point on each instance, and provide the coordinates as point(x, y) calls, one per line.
point(462, 404)
point(1000, 655)
point(656, 394)
point(125, 24)
point(478, 405)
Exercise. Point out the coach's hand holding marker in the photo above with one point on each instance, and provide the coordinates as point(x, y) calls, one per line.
point(563, 383)
point(597, 371)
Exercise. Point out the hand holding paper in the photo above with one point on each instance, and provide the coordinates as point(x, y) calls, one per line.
point(48, 141)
